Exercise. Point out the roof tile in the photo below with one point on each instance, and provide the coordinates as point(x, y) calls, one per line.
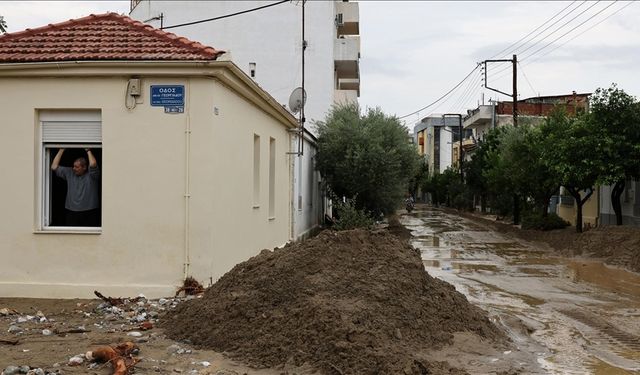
point(107, 36)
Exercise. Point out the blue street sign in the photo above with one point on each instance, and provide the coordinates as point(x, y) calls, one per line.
point(167, 95)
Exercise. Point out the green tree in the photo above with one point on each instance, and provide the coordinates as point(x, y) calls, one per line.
point(616, 119)
point(474, 169)
point(3, 25)
point(420, 178)
point(571, 152)
point(528, 175)
point(366, 156)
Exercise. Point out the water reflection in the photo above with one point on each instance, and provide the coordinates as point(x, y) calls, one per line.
point(585, 315)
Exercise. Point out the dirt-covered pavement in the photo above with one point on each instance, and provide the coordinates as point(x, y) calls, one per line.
point(575, 314)
point(359, 302)
point(354, 302)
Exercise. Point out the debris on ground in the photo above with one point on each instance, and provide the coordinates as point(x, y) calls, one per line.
point(121, 357)
point(118, 301)
point(190, 287)
point(30, 335)
point(352, 302)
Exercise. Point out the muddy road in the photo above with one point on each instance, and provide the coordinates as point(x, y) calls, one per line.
point(574, 316)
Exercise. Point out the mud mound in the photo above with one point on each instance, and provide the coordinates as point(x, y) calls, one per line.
point(618, 244)
point(353, 302)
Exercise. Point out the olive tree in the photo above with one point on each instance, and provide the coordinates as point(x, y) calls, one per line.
point(366, 156)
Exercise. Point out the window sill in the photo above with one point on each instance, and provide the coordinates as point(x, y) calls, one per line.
point(60, 230)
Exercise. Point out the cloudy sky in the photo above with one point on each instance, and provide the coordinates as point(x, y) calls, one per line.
point(414, 52)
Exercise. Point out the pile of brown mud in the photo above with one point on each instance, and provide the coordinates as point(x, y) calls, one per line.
point(352, 302)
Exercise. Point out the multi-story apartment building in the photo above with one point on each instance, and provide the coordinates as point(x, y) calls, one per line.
point(267, 45)
point(434, 136)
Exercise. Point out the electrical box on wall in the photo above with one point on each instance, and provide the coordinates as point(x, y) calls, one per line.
point(133, 89)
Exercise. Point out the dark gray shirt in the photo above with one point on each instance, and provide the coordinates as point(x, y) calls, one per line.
point(82, 191)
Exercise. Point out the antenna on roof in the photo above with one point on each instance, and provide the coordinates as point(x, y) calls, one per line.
point(156, 18)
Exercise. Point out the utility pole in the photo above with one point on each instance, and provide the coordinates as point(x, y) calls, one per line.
point(514, 91)
point(514, 96)
point(302, 118)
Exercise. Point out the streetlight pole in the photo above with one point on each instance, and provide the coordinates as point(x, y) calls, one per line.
point(460, 157)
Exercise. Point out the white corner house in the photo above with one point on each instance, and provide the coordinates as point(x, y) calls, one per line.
point(265, 41)
point(195, 162)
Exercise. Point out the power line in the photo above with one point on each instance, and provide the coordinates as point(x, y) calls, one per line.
point(577, 35)
point(443, 96)
point(534, 30)
point(561, 36)
point(464, 93)
point(526, 78)
point(554, 31)
point(470, 91)
point(226, 15)
point(523, 58)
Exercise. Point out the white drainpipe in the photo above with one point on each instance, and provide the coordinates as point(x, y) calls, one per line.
point(187, 185)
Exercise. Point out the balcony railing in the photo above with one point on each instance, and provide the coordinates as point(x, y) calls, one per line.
point(479, 116)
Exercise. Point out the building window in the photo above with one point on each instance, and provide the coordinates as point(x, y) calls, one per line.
point(272, 177)
point(71, 196)
point(256, 170)
point(252, 69)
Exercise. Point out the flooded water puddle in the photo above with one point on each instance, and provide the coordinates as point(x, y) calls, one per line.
point(608, 278)
point(583, 317)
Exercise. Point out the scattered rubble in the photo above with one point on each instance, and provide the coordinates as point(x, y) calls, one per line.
point(356, 302)
point(134, 317)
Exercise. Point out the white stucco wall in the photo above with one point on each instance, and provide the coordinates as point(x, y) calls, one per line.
point(308, 197)
point(629, 201)
point(445, 148)
point(153, 212)
point(271, 38)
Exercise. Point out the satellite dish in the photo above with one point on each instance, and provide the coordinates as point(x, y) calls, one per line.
point(297, 99)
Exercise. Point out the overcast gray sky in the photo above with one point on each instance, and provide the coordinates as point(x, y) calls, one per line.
point(413, 52)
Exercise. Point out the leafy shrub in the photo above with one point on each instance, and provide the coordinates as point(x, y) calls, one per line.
point(538, 222)
point(350, 217)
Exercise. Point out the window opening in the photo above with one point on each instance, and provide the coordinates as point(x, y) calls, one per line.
point(272, 177)
point(256, 170)
point(85, 191)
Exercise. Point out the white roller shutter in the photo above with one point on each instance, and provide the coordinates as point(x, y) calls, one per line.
point(72, 131)
point(71, 126)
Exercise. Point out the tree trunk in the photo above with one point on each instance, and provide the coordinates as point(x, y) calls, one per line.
point(483, 203)
point(616, 193)
point(575, 193)
point(545, 208)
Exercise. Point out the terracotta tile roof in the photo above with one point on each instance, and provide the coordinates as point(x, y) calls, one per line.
point(108, 36)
